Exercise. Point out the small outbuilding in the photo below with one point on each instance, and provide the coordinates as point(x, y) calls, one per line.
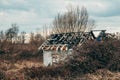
point(58, 46)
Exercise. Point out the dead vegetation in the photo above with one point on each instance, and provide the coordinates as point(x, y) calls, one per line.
point(14, 57)
point(93, 61)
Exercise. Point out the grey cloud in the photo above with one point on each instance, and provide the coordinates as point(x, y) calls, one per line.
point(40, 12)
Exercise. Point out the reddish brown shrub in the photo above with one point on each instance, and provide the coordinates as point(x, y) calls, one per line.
point(86, 59)
point(2, 75)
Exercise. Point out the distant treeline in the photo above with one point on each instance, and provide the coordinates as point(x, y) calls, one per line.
point(12, 35)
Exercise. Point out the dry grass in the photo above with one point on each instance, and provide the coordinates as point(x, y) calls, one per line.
point(90, 62)
point(102, 74)
point(15, 57)
point(94, 61)
point(13, 70)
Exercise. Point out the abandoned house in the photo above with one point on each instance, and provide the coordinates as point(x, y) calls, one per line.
point(58, 46)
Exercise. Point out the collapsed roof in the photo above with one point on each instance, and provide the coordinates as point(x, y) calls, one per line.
point(64, 41)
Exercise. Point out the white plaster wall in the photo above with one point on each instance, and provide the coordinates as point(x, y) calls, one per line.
point(60, 56)
point(47, 58)
point(70, 51)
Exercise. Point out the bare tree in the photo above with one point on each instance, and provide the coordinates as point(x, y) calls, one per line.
point(2, 36)
point(90, 25)
point(12, 32)
point(74, 20)
point(38, 37)
point(23, 37)
point(32, 38)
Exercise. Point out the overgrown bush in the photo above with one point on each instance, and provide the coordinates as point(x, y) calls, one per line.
point(90, 57)
point(44, 71)
point(100, 54)
point(25, 54)
point(2, 75)
point(13, 52)
point(2, 52)
point(96, 55)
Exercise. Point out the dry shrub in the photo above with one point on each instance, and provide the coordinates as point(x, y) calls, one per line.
point(24, 54)
point(2, 75)
point(14, 52)
point(96, 55)
point(44, 71)
point(2, 52)
point(102, 74)
point(89, 58)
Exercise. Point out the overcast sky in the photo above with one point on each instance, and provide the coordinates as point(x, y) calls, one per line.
point(33, 14)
